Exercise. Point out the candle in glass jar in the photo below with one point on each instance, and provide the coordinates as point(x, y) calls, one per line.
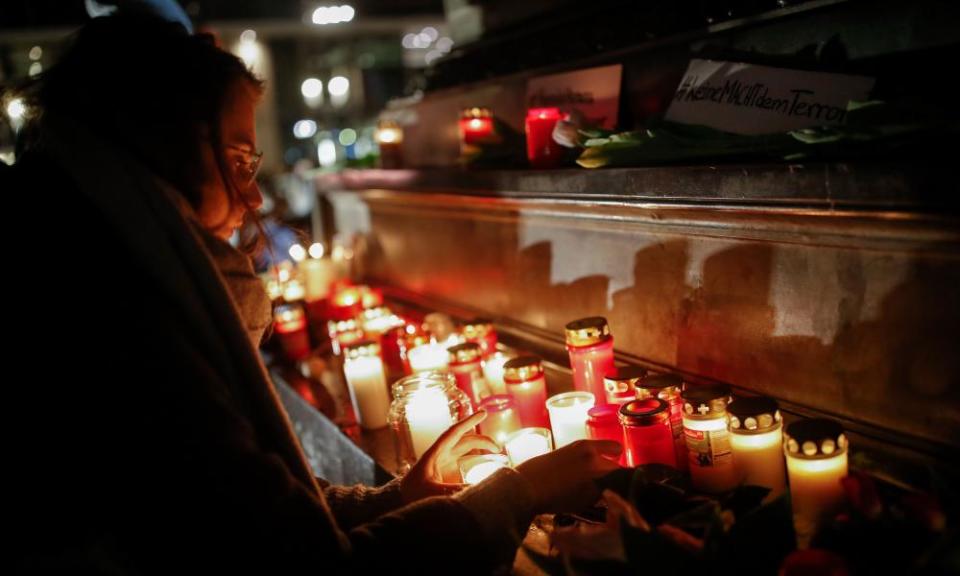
point(542, 150)
point(590, 346)
point(376, 321)
point(363, 371)
point(620, 384)
point(346, 303)
point(709, 454)
point(648, 438)
point(290, 324)
point(343, 333)
point(493, 371)
point(293, 291)
point(756, 437)
point(467, 368)
point(603, 423)
point(389, 138)
point(370, 297)
point(502, 418)
point(318, 274)
point(394, 351)
point(568, 416)
point(476, 126)
point(816, 452)
point(428, 415)
point(526, 383)
point(428, 357)
point(667, 387)
point(481, 331)
point(477, 468)
point(528, 443)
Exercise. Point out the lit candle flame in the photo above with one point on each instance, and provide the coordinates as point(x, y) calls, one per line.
point(298, 253)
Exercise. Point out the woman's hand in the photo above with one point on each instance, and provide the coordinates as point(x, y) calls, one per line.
point(439, 462)
point(563, 480)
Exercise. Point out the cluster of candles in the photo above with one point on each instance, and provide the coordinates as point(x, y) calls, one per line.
point(476, 127)
point(448, 372)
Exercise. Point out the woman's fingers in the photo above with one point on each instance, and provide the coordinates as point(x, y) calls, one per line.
point(474, 442)
point(451, 437)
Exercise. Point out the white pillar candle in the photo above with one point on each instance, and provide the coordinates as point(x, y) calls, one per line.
point(568, 416)
point(756, 438)
point(816, 452)
point(493, 372)
point(318, 275)
point(368, 389)
point(428, 357)
point(759, 460)
point(428, 415)
point(476, 469)
point(527, 443)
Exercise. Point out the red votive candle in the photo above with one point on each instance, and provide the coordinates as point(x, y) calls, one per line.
point(668, 387)
point(647, 436)
point(542, 150)
point(502, 417)
point(528, 386)
point(343, 333)
point(591, 354)
point(467, 367)
point(481, 331)
point(346, 303)
point(393, 349)
point(621, 383)
point(476, 126)
point(603, 423)
point(290, 324)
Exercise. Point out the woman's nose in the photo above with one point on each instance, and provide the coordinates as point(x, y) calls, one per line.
point(253, 196)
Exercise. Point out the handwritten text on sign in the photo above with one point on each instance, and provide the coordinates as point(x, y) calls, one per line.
point(595, 92)
point(747, 99)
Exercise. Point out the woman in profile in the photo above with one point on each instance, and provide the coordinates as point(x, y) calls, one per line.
point(154, 441)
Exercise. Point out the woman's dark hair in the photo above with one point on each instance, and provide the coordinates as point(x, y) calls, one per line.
point(150, 88)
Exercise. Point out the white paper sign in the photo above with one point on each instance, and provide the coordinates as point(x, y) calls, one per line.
point(595, 92)
point(747, 99)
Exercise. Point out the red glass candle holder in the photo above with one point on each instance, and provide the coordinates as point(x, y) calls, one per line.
point(343, 333)
point(528, 386)
point(476, 127)
point(290, 325)
point(502, 417)
point(346, 303)
point(603, 423)
point(542, 150)
point(647, 436)
point(481, 331)
point(466, 363)
point(590, 346)
point(668, 388)
point(389, 138)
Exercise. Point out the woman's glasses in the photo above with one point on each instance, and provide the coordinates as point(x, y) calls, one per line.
point(246, 165)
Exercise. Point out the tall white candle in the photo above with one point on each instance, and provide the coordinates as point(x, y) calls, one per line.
point(527, 443)
point(493, 372)
point(318, 275)
point(427, 357)
point(368, 390)
point(428, 415)
point(568, 416)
